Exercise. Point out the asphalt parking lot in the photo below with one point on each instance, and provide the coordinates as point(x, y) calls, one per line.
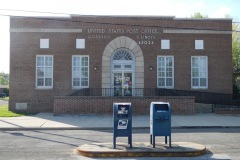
point(2, 102)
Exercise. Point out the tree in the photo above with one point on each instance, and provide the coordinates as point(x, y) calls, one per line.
point(236, 47)
point(198, 15)
point(4, 78)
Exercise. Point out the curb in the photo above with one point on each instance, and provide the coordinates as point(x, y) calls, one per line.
point(141, 149)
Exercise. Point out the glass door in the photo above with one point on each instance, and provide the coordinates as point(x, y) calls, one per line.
point(127, 84)
point(122, 83)
point(117, 83)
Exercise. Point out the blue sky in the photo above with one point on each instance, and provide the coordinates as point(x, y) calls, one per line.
point(177, 8)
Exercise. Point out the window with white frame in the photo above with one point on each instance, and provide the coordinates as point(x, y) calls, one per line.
point(165, 44)
point(165, 74)
point(199, 71)
point(44, 43)
point(80, 71)
point(199, 44)
point(80, 43)
point(44, 71)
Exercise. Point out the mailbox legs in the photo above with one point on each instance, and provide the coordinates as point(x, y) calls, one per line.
point(170, 145)
point(169, 140)
point(130, 141)
point(114, 142)
point(152, 140)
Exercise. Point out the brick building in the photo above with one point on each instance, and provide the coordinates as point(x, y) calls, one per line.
point(52, 60)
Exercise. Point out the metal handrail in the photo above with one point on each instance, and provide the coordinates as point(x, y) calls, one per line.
point(200, 97)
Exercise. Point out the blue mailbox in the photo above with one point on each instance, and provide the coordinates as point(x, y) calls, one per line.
point(122, 125)
point(160, 121)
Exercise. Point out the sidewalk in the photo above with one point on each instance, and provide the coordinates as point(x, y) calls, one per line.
point(46, 121)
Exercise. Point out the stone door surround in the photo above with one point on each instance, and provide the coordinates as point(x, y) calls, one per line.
point(128, 43)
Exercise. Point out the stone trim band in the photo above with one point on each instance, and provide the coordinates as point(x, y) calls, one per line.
point(191, 31)
point(45, 30)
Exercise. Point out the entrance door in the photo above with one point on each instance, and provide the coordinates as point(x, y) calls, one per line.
point(122, 83)
point(123, 72)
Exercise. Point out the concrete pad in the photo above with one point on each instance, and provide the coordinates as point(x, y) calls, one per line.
point(49, 121)
point(141, 149)
point(22, 122)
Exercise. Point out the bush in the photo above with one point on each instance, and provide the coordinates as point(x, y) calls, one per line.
point(235, 89)
point(6, 90)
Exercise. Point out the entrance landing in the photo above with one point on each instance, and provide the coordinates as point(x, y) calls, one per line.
point(141, 149)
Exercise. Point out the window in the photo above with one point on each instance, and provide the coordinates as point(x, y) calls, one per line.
point(199, 44)
point(165, 72)
point(199, 72)
point(44, 43)
point(122, 55)
point(80, 71)
point(123, 59)
point(165, 44)
point(44, 71)
point(80, 43)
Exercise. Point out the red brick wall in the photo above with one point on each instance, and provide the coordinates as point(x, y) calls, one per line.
point(104, 105)
point(225, 109)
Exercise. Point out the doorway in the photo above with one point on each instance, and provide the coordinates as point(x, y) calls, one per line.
point(122, 83)
point(123, 73)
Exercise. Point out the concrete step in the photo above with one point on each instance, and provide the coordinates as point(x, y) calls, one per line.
point(141, 149)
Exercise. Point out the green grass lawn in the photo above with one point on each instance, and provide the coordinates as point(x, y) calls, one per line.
point(5, 99)
point(5, 113)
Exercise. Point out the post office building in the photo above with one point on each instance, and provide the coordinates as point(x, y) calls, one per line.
point(82, 64)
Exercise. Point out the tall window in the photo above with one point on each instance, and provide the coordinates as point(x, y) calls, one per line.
point(165, 72)
point(44, 71)
point(199, 72)
point(80, 71)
